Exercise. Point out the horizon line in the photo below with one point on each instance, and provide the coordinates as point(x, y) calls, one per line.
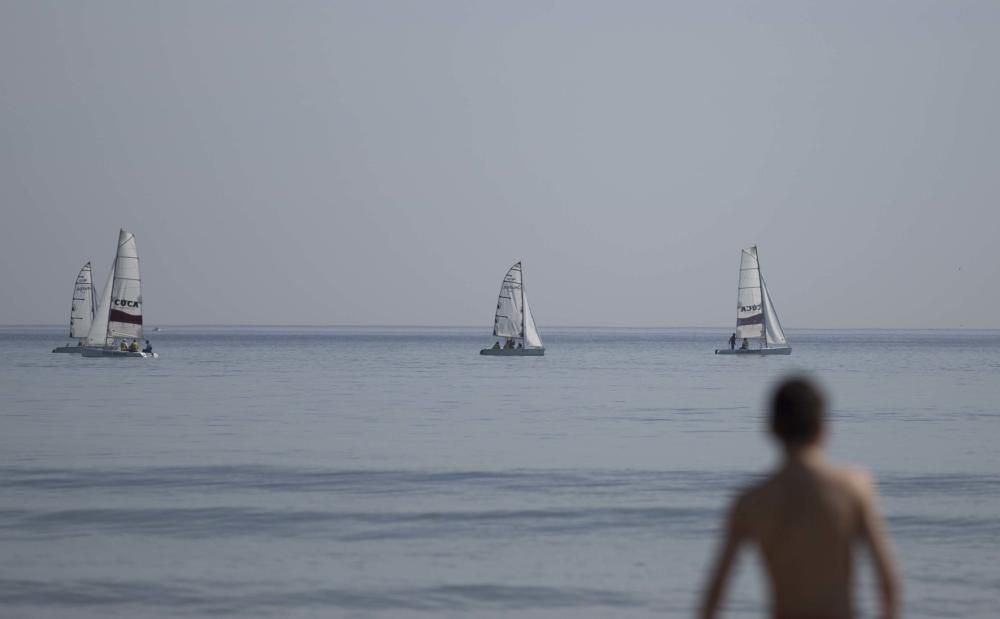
point(439, 326)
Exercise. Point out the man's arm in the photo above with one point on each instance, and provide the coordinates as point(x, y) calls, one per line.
point(724, 560)
point(874, 535)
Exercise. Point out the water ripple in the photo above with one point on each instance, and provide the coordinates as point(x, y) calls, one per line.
point(225, 598)
point(368, 482)
point(222, 522)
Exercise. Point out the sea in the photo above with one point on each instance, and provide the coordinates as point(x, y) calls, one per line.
point(395, 472)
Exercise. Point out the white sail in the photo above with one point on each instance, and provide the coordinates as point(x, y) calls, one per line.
point(509, 320)
point(531, 337)
point(82, 310)
point(98, 334)
point(125, 315)
point(772, 326)
point(513, 320)
point(749, 306)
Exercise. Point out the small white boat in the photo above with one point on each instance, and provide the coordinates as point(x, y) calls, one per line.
point(513, 352)
point(754, 351)
point(513, 320)
point(119, 313)
point(81, 313)
point(758, 331)
point(117, 353)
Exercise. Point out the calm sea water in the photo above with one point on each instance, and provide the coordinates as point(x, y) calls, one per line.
point(395, 472)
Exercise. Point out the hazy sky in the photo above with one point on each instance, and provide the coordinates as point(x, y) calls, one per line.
point(385, 162)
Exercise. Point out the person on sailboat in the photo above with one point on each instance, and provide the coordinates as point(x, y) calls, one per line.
point(496, 345)
point(732, 342)
point(148, 348)
point(745, 345)
point(806, 519)
point(122, 346)
point(134, 346)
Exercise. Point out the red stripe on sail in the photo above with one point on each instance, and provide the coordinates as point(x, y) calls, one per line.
point(757, 319)
point(120, 316)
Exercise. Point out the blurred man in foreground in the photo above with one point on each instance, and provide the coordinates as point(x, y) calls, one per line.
point(806, 518)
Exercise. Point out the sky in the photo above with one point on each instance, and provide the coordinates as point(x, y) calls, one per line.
point(385, 162)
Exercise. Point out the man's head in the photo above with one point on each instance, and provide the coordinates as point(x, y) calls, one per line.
point(798, 409)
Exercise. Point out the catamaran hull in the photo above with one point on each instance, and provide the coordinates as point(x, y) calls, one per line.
point(754, 351)
point(513, 352)
point(73, 350)
point(121, 354)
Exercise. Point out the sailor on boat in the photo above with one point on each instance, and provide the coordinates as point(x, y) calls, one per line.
point(122, 346)
point(745, 345)
point(732, 342)
point(134, 346)
point(148, 348)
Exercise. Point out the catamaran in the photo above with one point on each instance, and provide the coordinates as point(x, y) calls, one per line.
point(119, 313)
point(756, 318)
point(81, 313)
point(513, 320)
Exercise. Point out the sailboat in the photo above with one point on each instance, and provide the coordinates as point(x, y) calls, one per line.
point(513, 320)
point(119, 312)
point(756, 319)
point(81, 313)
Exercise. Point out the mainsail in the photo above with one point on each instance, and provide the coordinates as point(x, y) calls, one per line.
point(513, 316)
point(749, 308)
point(82, 310)
point(125, 316)
point(119, 313)
point(507, 322)
point(755, 313)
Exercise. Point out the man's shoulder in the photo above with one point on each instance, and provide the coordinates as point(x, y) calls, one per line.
point(855, 478)
point(752, 505)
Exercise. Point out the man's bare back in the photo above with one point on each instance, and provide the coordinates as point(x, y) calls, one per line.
point(806, 519)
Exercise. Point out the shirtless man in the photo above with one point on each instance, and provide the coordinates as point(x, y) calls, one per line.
point(806, 518)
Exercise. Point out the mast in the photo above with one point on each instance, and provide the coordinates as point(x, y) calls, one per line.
point(739, 282)
point(93, 296)
point(107, 325)
point(72, 305)
point(523, 340)
point(763, 307)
